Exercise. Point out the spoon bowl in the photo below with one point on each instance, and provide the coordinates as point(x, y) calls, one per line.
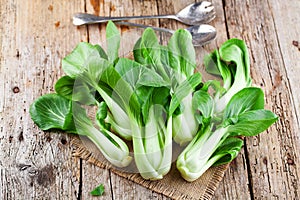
point(197, 13)
point(202, 34)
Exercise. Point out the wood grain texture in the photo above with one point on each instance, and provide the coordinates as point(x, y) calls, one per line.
point(273, 156)
point(36, 35)
point(34, 164)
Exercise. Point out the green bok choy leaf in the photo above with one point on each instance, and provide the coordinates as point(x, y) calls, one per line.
point(232, 63)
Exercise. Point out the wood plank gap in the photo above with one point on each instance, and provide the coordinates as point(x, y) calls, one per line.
point(159, 22)
point(80, 180)
point(111, 185)
point(85, 9)
point(225, 19)
point(87, 26)
point(250, 182)
point(283, 61)
point(87, 33)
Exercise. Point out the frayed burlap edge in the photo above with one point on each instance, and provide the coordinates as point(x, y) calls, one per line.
point(172, 185)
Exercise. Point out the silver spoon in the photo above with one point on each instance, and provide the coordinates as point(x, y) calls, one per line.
point(201, 34)
point(194, 14)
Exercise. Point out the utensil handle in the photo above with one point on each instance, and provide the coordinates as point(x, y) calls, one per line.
point(145, 26)
point(84, 18)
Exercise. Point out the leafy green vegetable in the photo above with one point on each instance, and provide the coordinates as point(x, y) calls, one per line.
point(203, 102)
point(98, 191)
point(227, 151)
point(106, 81)
point(208, 147)
point(184, 90)
point(155, 99)
point(234, 110)
point(246, 99)
point(252, 122)
point(147, 52)
point(76, 62)
point(138, 75)
point(53, 111)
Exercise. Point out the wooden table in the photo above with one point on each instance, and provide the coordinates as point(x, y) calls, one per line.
point(36, 34)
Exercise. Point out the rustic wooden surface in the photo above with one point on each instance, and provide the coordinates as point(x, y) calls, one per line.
point(36, 35)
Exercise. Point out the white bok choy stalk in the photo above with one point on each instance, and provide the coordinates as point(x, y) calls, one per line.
point(152, 145)
point(151, 137)
point(113, 148)
point(184, 125)
point(152, 129)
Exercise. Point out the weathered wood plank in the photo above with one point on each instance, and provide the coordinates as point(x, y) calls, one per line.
point(286, 22)
point(35, 35)
point(273, 155)
point(125, 189)
point(92, 176)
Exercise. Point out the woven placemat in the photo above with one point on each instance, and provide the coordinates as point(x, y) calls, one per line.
point(172, 185)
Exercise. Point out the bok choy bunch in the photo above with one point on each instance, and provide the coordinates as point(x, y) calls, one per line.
point(156, 99)
point(235, 110)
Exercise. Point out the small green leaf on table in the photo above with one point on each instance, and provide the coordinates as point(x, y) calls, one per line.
point(98, 191)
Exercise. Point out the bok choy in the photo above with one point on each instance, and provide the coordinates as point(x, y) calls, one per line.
point(52, 111)
point(235, 110)
point(156, 99)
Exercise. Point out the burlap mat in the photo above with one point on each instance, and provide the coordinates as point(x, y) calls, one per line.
point(172, 185)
